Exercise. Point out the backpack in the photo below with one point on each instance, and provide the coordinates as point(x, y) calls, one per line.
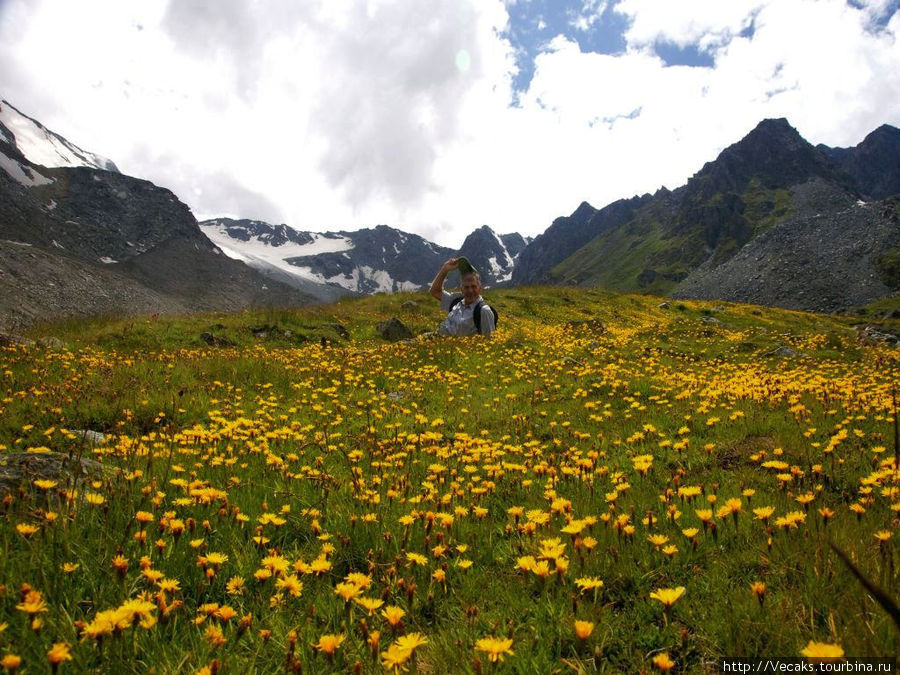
point(476, 313)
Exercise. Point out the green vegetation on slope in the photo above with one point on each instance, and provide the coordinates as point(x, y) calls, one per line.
point(656, 250)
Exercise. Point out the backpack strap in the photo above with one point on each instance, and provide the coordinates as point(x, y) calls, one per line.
point(476, 315)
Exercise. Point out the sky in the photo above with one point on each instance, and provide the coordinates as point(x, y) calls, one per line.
point(439, 116)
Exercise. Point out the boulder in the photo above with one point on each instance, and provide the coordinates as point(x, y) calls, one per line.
point(23, 468)
point(216, 340)
point(394, 330)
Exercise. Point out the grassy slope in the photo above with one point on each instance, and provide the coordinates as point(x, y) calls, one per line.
point(618, 259)
point(550, 415)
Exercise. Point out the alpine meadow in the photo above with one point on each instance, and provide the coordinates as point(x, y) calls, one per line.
point(612, 483)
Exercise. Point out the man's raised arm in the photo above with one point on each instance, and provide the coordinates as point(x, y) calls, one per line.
point(437, 286)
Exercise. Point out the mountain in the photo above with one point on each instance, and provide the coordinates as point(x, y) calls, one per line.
point(42, 146)
point(873, 165)
point(331, 264)
point(718, 236)
point(568, 234)
point(371, 260)
point(83, 239)
point(493, 255)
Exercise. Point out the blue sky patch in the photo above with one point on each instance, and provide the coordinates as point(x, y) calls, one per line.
point(691, 55)
point(593, 24)
point(534, 23)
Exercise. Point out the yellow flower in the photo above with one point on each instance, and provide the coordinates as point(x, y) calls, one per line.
point(235, 586)
point(216, 559)
point(495, 648)
point(763, 513)
point(583, 629)
point(525, 563)
point(759, 590)
point(347, 591)
point(658, 540)
point(589, 583)
point(408, 643)
point(329, 644)
point(26, 529)
point(393, 614)
point(394, 658)
point(667, 596)
point(416, 559)
point(291, 584)
point(371, 605)
point(359, 579)
point(822, 650)
point(58, 653)
point(33, 603)
point(663, 662)
point(214, 636)
point(10, 662)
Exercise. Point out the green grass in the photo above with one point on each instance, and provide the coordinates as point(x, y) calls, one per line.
point(341, 439)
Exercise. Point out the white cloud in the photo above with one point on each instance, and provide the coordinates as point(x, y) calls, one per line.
point(349, 113)
point(687, 21)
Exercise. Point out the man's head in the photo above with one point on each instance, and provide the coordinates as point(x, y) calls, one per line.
point(470, 285)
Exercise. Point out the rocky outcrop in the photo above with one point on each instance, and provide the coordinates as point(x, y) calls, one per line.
point(822, 262)
point(94, 242)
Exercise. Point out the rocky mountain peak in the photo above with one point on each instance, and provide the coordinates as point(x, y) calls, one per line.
point(773, 153)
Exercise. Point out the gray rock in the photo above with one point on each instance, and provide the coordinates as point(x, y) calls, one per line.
point(22, 468)
point(8, 339)
point(216, 340)
point(394, 330)
point(782, 351)
point(663, 305)
point(92, 437)
point(874, 335)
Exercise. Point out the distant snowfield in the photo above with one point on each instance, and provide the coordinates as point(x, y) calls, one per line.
point(42, 146)
point(258, 253)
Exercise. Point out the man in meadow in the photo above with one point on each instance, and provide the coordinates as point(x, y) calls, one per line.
point(461, 308)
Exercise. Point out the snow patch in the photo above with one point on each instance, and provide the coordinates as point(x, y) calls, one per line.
point(106, 260)
point(42, 146)
point(261, 252)
point(362, 279)
point(21, 173)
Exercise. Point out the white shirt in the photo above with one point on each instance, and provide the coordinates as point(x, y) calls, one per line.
point(460, 321)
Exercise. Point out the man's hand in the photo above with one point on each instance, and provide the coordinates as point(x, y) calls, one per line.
point(450, 265)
